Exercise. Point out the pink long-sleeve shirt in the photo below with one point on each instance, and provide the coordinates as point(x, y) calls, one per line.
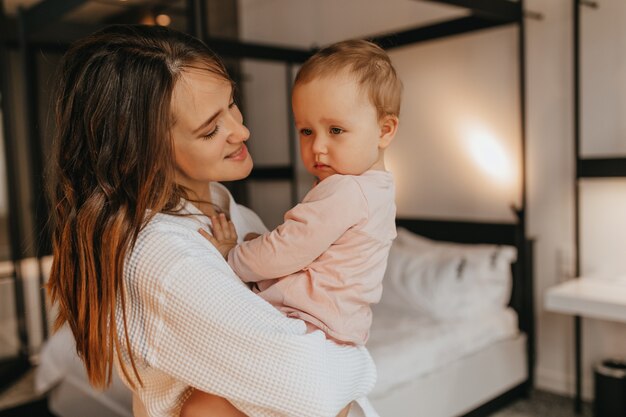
point(326, 262)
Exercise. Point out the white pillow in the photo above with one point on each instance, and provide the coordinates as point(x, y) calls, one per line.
point(444, 280)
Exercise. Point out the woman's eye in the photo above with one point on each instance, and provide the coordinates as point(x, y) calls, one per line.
point(211, 134)
point(306, 132)
point(336, 130)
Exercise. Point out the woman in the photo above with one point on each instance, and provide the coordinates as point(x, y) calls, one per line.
point(146, 126)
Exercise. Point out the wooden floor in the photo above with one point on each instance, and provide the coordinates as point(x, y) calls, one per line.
point(543, 404)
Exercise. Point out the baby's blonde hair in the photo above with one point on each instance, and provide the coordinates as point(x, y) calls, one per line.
point(370, 65)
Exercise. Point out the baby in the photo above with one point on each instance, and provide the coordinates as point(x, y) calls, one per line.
point(326, 262)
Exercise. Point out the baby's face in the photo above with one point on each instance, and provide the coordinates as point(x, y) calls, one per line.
point(338, 127)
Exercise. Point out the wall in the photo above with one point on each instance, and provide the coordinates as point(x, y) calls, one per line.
point(551, 171)
point(471, 80)
point(304, 24)
point(454, 114)
point(550, 186)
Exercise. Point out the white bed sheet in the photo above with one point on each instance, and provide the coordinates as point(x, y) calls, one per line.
point(405, 347)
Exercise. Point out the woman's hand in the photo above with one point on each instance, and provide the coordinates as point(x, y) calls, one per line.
point(201, 404)
point(224, 234)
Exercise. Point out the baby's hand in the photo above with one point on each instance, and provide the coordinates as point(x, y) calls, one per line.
point(224, 234)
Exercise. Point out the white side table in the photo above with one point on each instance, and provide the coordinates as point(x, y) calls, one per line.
point(593, 297)
point(599, 298)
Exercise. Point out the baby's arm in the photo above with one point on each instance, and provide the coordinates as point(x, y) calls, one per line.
point(308, 230)
point(201, 404)
point(224, 234)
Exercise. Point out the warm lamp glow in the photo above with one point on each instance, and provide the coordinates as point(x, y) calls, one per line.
point(489, 154)
point(163, 20)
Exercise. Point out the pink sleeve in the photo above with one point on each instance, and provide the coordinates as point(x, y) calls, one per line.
point(326, 213)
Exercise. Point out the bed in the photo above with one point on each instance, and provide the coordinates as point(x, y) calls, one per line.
point(451, 366)
point(468, 365)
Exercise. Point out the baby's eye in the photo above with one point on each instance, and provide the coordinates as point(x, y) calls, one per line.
point(336, 130)
point(306, 132)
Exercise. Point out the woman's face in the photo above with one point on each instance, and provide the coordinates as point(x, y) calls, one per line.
point(208, 132)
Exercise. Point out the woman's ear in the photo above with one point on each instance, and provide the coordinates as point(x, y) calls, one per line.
point(388, 129)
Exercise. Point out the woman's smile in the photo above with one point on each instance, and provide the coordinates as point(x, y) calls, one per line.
point(239, 155)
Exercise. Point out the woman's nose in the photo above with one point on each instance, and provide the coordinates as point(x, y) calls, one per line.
point(243, 133)
point(239, 132)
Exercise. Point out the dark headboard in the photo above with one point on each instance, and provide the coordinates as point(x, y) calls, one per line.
point(499, 234)
point(463, 232)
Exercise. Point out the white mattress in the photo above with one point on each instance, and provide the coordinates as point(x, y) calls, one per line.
point(406, 347)
point(453, 390)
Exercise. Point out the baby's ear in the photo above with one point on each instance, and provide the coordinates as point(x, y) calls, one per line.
point(388, 129)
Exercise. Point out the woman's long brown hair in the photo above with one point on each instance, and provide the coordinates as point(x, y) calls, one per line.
point(112, 170)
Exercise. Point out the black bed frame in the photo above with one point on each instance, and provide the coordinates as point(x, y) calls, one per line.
point(522, 295)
